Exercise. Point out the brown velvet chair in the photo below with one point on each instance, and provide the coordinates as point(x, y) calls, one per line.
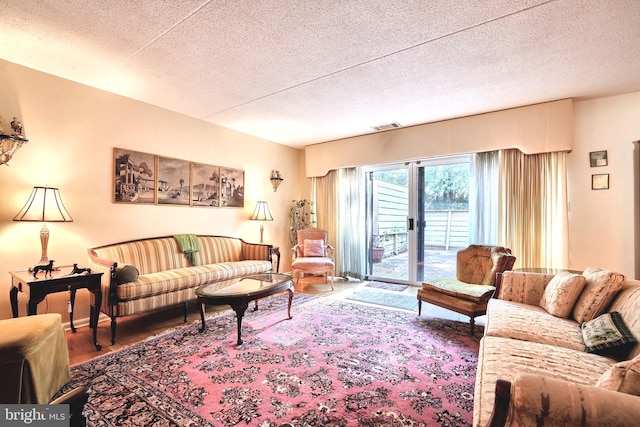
point(313, 255)
point(469, 293)
point(34, 361)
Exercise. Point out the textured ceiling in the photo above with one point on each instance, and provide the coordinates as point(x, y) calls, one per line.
point(303, 72)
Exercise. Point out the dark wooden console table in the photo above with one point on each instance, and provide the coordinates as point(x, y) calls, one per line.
point(60, 281)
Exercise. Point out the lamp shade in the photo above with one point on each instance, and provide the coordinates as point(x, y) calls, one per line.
point(261, 212)
point(44, 205)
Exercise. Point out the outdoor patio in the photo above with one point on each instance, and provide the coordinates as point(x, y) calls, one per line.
point(438, 263)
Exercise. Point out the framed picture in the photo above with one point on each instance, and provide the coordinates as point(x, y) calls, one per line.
point(173, 184)
point(231, 187)
point(205, 185)
point(600, 181)
point(134, 179)
point(598, 158)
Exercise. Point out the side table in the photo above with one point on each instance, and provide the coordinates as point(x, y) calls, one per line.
point(60, 281)
point(275, 251)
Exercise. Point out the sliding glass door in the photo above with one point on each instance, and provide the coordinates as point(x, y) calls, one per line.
point(417, 219)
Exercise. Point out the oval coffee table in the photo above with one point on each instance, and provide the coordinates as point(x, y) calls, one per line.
point(237, 293)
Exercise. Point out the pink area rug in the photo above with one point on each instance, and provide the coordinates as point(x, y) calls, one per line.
point(334, 364)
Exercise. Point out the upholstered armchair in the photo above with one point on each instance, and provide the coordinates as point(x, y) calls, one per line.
point(34, 361)
point(313, 255)
point(469, 293)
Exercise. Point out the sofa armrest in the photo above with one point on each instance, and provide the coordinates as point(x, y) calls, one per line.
point(520, 286)
point(533, 400)
point(109, 281)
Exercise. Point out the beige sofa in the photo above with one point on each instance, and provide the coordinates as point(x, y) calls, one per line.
point(533, 369)
point(148, 274)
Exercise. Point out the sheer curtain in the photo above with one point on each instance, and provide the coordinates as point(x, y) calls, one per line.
point(340, 210)
point(483, 198)
point(533, 215)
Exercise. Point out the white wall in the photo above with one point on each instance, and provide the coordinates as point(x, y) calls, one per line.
point(603, 224)
point(72, 130)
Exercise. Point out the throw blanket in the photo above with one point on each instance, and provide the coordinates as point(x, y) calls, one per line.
point(189, 244)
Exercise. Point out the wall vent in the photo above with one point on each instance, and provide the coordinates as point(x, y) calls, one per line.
point(393, 125)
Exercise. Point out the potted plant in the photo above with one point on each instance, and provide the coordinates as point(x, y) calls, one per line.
point(377, 250)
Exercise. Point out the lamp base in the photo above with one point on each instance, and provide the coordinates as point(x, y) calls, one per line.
point(44, 242)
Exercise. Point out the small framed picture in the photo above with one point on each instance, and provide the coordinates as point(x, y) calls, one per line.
point(598, 158)
point(600, 181)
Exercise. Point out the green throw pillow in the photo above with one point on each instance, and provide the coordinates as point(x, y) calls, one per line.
point(126, 273)
point(607, 335)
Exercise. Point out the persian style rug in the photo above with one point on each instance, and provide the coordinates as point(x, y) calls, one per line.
point(335, 363)
point(388, 286)
point(389, 299)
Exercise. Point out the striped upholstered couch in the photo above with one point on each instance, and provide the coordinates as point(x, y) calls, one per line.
point(144, 275)
point(534, 368)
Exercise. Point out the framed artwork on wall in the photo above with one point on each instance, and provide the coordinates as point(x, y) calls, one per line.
point(134, 179)
point(205, 185)
point(174, 182)
point(600, 181)
point(598, 158)
point(231, 187)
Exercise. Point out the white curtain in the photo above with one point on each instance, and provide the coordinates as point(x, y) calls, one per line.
point(483, 198)
point(340, 210)
point(533, 214)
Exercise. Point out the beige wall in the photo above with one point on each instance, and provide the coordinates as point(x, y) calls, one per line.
point(532, 129)
point(603, 224)
point(72, 130)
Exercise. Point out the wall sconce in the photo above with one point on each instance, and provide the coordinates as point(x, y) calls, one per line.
point(9, 144)
point(44, 205)
point(261, 213)
point(276, 180)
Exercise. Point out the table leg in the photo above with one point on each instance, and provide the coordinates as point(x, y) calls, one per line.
point(240, 309)
point(95, 315)
point(13, 297)
point(72, 302)
point(290, 301)
point(204, 326)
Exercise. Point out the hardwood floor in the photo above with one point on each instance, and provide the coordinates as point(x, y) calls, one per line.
point(133, 329)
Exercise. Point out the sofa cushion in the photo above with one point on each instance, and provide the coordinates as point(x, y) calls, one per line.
point(526, 322)
point(313, 248)
point(623, 377)
point(607, 335)
point(600, 287)
point(127, 273)
point(561, 294)
point(456, 288)
point(524, 287)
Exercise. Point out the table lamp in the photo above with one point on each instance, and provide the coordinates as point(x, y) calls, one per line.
point(44, 205)
point(261, 213)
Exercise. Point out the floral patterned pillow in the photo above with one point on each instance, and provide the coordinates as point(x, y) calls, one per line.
point(561, 293)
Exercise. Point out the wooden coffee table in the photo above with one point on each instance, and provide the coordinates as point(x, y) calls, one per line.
point(239, 291)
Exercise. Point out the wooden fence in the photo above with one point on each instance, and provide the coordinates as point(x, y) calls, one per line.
point(443, 229)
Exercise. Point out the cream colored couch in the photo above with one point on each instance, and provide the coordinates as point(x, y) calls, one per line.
point(533, 369)
point(149, 274)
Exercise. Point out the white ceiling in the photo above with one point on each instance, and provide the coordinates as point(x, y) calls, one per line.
point(302, 72)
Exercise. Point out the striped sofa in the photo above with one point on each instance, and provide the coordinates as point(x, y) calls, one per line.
point(147, 274)
point(533, 368)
